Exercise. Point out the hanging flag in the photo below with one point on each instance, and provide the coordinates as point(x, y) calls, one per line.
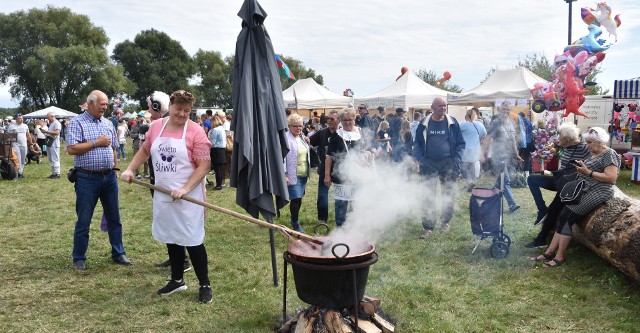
point(284, 69)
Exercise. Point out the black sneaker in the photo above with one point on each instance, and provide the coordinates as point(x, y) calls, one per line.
point(172, 287)
point(513, 208)
point(205, 295)
point(541, 216)
point(535, 244)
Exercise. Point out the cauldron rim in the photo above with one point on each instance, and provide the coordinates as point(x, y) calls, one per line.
point(293, 247)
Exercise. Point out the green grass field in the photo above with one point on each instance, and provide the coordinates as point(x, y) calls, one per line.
point(425, 286)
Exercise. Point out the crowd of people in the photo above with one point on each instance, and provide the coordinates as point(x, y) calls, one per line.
point(177, 153)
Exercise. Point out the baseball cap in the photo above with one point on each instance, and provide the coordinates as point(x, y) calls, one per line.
point(141, 114)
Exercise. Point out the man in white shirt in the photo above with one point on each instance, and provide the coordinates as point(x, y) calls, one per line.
point(21, 142)
point(54, 149)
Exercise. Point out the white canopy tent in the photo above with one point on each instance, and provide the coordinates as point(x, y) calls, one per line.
point(409, 91)
point(506, 83)
point(310, 95)
point(58, 112)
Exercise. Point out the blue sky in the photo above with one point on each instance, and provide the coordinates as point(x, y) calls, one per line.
point(363, 44)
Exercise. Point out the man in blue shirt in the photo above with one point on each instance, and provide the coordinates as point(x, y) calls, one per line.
point(92, 141)
point(438, 150)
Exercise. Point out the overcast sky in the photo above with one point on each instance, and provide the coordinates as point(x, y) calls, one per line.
point(363, 44)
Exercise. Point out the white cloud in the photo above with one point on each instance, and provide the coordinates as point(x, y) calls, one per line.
point(363, 44)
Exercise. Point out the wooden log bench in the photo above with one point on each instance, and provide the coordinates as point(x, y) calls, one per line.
point(613, 232)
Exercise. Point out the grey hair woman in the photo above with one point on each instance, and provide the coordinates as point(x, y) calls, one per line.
point(573, 149)
point(600, 172)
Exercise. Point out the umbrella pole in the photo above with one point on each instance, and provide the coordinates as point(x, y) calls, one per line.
point(274, 269)
point(282, 229)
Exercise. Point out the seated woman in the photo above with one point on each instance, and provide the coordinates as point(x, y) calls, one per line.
point(574, 149)
point(600, 172)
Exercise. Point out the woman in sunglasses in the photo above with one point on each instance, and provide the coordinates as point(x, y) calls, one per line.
point(180, 152)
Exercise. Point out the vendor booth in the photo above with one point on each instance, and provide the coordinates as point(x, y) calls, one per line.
point(625, 118)
point(308, 94)
point(57, 112)
point(407, 92)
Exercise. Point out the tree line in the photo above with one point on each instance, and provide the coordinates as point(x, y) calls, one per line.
point(56, 57)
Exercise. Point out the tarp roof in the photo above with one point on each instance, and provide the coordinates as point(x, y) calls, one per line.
point(503, 83)
point(311, 95)
point(626, 88)
point(58, 112)
point(409, 91)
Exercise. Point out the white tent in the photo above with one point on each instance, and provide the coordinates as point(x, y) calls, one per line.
point(506, 83)
point(409, 91)
point(311, 95)
point(58, 112)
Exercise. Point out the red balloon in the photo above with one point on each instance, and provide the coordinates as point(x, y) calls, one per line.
point(404, 70)
point(446, 76)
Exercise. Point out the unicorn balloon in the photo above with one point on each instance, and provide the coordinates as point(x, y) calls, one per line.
point(601, 16)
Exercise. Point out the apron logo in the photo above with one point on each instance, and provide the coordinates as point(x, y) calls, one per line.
point(167, 158)
point(167, 149)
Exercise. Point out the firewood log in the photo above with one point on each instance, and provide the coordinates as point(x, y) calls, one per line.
point(613, 232)
point(369, 305)
point(366, 326)
point(386, 326)
point(305, 325)
point(333, 322)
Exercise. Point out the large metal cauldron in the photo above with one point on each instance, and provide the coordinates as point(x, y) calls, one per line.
point(330, 282)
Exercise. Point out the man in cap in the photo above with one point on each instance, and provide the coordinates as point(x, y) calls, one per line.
point(438, 150)
point(378, 118)
point(394, 130)
point(366, 125)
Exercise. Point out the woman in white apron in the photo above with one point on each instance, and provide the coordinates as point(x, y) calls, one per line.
point(180, 152)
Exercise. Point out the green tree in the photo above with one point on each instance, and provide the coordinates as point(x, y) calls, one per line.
point(56, 57)
point(430, 77)
point(299, 71)
point(214, 74)
point(154, 61)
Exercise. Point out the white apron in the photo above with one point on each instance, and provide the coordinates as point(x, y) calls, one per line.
point(175, 222)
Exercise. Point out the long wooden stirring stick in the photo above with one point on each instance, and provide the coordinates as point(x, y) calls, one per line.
point(282, 229)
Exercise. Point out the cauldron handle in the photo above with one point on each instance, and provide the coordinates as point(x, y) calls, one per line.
point(321, 225)
point(333, 250)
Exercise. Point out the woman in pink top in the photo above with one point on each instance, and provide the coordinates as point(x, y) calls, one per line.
point(180, 152)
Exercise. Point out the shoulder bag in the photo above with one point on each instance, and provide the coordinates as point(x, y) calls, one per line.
point(572, 192)
point(49, 141)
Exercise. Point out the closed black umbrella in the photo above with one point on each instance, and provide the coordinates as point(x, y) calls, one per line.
point(259, 123)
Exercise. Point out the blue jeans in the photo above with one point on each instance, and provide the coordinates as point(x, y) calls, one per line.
point(322, 203)
point(341, 211)
point(508, 195)
point(121, 152)
point(90, 188)
point(536, 182)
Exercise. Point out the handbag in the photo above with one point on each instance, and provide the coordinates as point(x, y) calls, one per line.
point(229, 141)
point(48, 141)
point(572, 192)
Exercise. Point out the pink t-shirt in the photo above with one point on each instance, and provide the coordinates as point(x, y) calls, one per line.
point(198, 145)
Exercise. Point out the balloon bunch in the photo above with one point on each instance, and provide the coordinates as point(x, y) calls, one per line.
point(348, 92)
point(566, 90)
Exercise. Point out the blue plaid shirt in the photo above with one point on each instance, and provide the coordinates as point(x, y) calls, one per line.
point(86, 128)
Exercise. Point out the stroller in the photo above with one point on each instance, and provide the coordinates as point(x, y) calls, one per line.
point(485, 210)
